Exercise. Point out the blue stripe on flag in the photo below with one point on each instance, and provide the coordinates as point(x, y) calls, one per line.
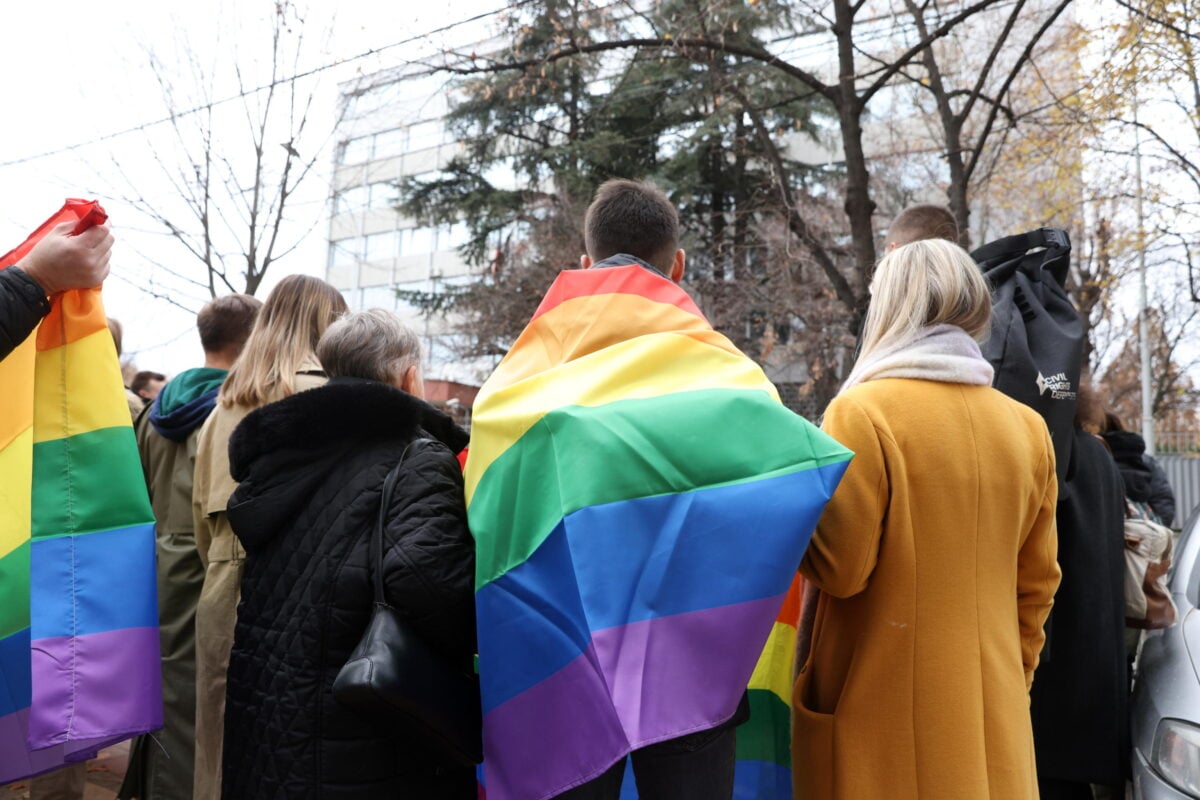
point(641, 559)
point(16, 688)
point(93, 582)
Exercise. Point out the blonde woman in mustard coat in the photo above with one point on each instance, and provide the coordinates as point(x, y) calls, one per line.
point(935, 560)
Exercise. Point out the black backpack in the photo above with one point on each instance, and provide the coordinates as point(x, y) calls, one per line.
point(1036, 346)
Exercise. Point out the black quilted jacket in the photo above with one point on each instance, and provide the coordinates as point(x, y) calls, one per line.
point(22, 306)
point(311, 468)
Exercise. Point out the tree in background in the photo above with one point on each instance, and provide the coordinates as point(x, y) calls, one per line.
point(713, 99)
point(1145, 99)
point(873, 52)
point(233, 168)
point(1175, 394)
point(556, 132)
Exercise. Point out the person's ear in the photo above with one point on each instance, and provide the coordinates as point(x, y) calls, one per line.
point(891, 246)
point(411, 382)
point(678, 266)
point(585, 261)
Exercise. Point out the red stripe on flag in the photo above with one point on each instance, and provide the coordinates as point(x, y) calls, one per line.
point(76, 313)
point(631, 279)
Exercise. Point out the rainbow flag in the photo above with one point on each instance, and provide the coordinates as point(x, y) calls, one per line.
point(79, 659)
point(764, 744)
point(640, 501)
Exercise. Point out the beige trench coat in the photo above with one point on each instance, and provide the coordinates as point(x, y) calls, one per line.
point(222, 555)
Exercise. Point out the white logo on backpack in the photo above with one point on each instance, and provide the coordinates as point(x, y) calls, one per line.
point(1058, 385)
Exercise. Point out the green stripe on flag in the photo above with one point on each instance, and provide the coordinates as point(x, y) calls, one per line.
point(88, 482)
point(14, 591)
point(767, 735)
point(580, 456)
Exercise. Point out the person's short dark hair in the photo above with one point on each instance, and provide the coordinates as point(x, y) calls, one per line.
point(143, 378)
point(917, 223)
point(634, 218)
point(225, 323)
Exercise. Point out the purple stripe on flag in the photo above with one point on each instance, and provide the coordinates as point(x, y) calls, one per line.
point(555, 735)
point(635, 685)
point(16, 761)
point(97, 686)
point(672, 675)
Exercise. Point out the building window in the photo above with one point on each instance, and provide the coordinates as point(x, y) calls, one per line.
point(384, 196)
point(380, 297)
point(389, 143)
point(453, 236)
point(345, 252)
point(382, 246)
point(356, 151)
point(424, 135)
point(350, 201)
point(417, 241)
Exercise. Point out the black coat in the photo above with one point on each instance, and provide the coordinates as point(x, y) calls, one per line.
point(311, 469)
point(1162, 496)
point(1129, 451)
point(22, 306)
point(1080, 690)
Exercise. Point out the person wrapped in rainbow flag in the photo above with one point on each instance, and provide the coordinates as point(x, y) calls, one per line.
point(640, 501)
point(79, 657)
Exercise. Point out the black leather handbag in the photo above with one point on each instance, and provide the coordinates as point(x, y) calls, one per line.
point(396, 678)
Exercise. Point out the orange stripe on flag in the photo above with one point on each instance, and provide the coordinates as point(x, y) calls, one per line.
point(632, 279)
point(75, 314)
point(790, 613)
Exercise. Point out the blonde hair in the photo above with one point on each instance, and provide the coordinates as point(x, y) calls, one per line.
point(918, 285)
point(372, 344)
point(285, 334)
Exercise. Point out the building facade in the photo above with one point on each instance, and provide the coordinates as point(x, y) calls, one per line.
point(391, 127)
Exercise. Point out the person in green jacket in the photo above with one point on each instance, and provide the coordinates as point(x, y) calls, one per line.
point(161, 764)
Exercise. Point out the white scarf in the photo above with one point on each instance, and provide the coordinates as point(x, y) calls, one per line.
point(940, 353)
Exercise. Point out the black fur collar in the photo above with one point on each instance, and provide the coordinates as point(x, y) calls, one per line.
point(341, 412)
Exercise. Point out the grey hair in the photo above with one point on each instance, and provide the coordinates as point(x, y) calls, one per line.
point(372, 344)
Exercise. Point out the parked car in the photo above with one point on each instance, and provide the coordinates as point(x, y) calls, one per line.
point(1166, 697)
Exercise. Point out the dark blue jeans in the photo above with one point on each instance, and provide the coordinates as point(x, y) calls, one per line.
point(698, 766)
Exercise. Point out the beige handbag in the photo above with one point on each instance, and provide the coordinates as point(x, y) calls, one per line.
point(1148, 549)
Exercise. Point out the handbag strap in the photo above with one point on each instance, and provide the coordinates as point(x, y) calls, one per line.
point(375, 559)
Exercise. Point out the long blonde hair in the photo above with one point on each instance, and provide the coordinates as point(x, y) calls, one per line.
point(921, 284)
point(287, 330)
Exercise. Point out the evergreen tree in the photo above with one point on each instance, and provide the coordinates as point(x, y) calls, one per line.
point(537, 143)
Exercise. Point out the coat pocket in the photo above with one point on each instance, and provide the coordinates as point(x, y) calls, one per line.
point(812, 747)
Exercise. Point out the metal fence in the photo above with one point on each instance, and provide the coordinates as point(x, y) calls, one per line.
point(1177, 443)
point(1183, 473)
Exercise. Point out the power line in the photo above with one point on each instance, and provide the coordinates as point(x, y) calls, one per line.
point(264, 87)
point(872, 36)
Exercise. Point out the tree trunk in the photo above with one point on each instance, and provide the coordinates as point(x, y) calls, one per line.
point(957, 190)
point(860, 208)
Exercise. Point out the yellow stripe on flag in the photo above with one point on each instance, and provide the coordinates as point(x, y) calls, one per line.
point(16, 491)
point(87, 372)
point(583, 325)
point(16, 394)
point(774, 669)
point(645, 367)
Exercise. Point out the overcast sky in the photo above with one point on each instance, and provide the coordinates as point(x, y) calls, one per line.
point(79, 71)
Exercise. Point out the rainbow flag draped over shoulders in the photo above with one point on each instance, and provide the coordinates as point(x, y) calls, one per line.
point(79, 658)
point(640, 501)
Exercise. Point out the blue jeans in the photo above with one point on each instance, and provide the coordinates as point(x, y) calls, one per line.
point(698, 766)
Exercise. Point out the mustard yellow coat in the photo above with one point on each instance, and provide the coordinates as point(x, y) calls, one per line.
point(936, 561)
